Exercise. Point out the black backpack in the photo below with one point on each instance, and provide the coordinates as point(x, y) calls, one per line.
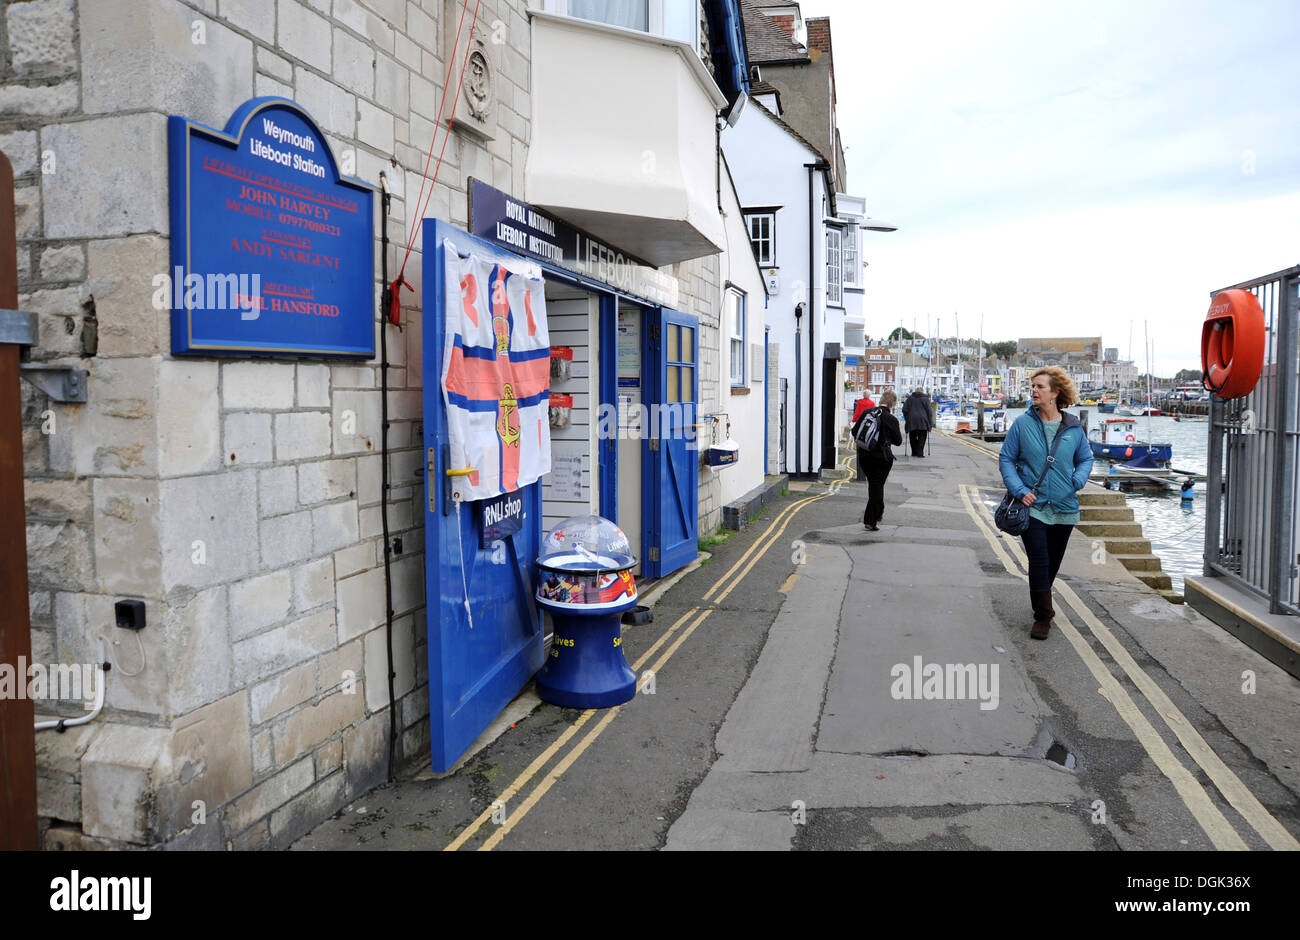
point(866, 433)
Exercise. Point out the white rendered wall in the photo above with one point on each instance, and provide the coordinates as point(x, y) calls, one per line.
point(743, 406)
point(769, 168)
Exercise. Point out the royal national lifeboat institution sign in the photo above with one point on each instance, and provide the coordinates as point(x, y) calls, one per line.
point(272, 247)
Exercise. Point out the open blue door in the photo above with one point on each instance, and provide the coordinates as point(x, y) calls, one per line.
point(482, 654)
point(670, 501)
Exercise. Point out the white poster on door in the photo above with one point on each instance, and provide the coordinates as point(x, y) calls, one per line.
point(566, 476)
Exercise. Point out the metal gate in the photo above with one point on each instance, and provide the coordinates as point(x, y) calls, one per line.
point(1251, 525)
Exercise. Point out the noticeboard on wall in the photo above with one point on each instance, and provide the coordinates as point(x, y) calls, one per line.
point(272, 247)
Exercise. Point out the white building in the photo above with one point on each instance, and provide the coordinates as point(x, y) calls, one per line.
point(789, 200)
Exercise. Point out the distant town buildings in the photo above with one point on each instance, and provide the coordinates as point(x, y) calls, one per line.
point(1062, 349)
point(965, 367)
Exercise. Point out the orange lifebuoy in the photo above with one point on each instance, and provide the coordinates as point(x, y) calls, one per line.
point(1129, 437)
point(1232, 344)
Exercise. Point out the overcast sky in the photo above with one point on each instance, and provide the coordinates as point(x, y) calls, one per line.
point(1070, 168)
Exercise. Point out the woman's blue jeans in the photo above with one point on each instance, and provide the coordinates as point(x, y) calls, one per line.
point(1044, 547)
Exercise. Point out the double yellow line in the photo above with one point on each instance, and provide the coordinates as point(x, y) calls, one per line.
point(732, 579)
point(1194, 796)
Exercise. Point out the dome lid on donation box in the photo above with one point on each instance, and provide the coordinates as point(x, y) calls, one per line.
point(586, 561)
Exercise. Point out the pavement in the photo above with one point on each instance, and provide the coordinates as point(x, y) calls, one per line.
point(814, 685)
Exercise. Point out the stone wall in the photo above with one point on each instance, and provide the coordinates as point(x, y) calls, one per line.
point(701, 294)
point(240, 499)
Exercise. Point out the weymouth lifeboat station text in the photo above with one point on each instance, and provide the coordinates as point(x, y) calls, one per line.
point(260, 148)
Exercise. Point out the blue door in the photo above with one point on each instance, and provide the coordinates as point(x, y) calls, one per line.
point(670, 502)
point(484, 629)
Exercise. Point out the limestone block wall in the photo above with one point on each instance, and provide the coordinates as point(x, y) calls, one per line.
point(240, 499)
point(701, 294)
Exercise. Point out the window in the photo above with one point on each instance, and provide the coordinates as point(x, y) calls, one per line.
point(762, 228)
point(834, 269)
point(734, 311)
point(631, 14)
point(674, 19)
point(852, 268)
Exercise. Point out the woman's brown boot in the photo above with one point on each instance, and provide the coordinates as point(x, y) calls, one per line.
point(1043, 613)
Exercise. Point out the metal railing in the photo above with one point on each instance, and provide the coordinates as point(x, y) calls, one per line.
point(1251, 526)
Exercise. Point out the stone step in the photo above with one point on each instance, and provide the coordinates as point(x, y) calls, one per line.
point(1105, 514)
point(1138, 562)
point(1111, 530)
point(1155, 579)
point(1172, 596)
point(1126, 546)
point(1099, 497)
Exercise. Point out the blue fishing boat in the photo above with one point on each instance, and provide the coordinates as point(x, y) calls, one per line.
point(1116, 439)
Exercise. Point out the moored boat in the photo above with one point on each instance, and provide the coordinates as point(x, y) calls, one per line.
point(1116, 439)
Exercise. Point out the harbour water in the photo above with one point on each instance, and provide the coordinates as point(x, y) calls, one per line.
point(1175, 527)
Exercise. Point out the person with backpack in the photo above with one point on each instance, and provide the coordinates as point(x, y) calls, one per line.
point(873, 433)
point(861, 405)
point(916, 412)
point(1049, 446)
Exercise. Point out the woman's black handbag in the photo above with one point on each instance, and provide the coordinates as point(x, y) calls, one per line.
point(1012, 516)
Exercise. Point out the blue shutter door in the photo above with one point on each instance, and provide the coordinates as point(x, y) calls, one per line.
point(670, 505)
point(480, 657)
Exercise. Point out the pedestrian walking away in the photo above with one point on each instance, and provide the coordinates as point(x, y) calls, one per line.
point(862, 404)
point(1054, 503)
point(916, 415)
point(878, 459)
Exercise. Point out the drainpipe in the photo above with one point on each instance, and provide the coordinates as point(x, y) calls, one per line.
point(812, 361)
point(767, 331)
point(385, 301)
point(798, 388)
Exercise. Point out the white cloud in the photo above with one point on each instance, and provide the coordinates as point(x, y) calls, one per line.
point(1093, 163)
point(1081, 273)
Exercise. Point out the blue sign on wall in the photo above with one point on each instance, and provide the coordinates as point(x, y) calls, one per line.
point(272, 248)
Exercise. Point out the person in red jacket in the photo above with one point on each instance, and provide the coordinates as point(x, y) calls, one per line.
point(861, 405)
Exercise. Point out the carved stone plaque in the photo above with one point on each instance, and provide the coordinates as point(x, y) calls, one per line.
point(475, 107)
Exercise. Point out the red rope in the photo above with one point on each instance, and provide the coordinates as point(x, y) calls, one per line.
point(420, 201)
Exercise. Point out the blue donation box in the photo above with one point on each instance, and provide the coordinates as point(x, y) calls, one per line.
point(272, 247)
point(585, 581)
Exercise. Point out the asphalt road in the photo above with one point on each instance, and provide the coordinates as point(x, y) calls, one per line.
point(784, 713)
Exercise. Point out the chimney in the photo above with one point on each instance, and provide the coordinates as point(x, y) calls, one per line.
point(784, 20)
point(819, 33)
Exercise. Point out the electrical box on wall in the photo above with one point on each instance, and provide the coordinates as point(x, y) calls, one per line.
point(773, 281)
point(129, 614)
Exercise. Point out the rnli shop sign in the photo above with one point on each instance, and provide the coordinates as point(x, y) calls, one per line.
point(272, 247)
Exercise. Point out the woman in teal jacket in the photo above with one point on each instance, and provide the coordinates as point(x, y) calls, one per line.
point(1053, 504)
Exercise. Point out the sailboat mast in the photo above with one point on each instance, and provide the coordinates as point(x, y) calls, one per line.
point(961, 369)
point(1147, 342)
